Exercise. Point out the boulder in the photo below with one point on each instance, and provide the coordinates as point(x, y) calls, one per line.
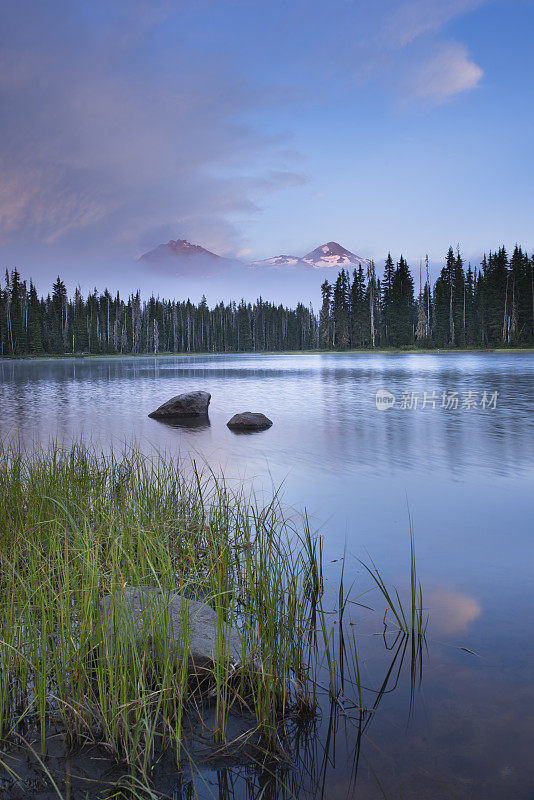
point(140, 614)
point(190, 404)
point(249, 421)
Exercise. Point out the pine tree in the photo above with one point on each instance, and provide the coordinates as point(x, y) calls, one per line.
point(80, 332)
point(325, 317)
point(482, 307)
point(387, 288)
point(359, 310)
point(17, 333)
point(373, 299)
point(340, 311)
point(421, 330)
point(401, 306)
point(449, 303)
point(57, 327)
point(450, 265)
point(35, 337)
point(458, 294)
point(470, 330)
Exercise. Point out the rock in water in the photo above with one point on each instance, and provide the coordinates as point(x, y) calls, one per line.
point(249, 421)
point(140, 614)
point(190, 404)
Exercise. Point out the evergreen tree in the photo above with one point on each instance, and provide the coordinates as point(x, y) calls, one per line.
point(401, 306)
point(372, 300)
point(359, 309)
point(449, 303)
point(340, 311)
point(470, 329)
point(421, 330)
point(325, 318)
point(35, 337)
point(387, 289)
point(490, 306)
point(58, 317)
point(458, 299)
point(17, 333)
point(496, 300)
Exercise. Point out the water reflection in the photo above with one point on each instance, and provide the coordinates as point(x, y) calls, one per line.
point(451, 612)
point(189, 424)
point(468, 476)
point(314, 753)
point(323, 406)
point(238, 432)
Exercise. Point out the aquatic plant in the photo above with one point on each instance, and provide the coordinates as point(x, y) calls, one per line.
point(78, 525)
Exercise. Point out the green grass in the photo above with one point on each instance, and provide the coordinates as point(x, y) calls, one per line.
point(76, 525)
point(409, 616)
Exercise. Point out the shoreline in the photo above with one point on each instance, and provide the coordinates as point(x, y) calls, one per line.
point(351, 351)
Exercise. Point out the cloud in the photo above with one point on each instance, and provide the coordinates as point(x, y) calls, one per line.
point(447, 72)
point(416, 18)
point(110, 139)
point(406, 52)
point(128, 122)
point(452, 612)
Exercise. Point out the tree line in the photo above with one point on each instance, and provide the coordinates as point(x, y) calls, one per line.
point(102, 324)
point(489, 306)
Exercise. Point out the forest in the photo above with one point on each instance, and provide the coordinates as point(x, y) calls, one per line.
point(491, 305)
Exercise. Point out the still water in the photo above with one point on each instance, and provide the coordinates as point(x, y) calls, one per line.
point(455, 452)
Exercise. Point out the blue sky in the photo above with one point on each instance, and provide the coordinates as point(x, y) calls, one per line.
point(256, 129)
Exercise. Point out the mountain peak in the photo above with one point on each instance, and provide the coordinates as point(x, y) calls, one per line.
point(332, 254)
point(329, 255)
point(180, 248)
point(191, 256)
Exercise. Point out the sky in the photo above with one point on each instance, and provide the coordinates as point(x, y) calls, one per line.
point(256, 129)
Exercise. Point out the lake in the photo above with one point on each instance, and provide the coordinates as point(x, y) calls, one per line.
point(454, 451)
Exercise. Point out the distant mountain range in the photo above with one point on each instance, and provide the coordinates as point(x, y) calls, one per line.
point(329, 255)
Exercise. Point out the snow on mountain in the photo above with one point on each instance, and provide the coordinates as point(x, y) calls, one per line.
point(334, 255)
point(279, 261)
point(179, 248)
point(326, 255)
point(192, 257)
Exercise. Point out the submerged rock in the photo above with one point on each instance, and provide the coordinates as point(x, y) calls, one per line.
point(138, 614)
point(249, 421)
point(190, 404)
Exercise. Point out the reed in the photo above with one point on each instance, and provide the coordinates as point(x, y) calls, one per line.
point(410, 616)
point(76, 525)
